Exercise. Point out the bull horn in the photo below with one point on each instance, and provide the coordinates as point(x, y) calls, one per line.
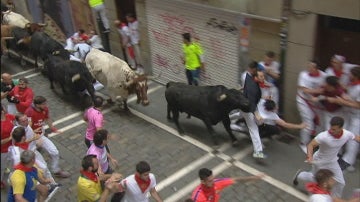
point(55, 53)
point(42, 24)
point(75, 77)
point(20, 41)
point(129, 82)
point(27, 25)
point(221, 97)
point(154, 77)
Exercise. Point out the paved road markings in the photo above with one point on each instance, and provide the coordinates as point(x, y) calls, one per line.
point(218, 169)
point(189, 168)
point(227, 162)
point(23, 72)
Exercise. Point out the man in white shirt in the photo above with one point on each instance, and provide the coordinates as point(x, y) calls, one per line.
point(133, 25)
point(309, 83)
point(95, 41)
point(81, 50)
point(268, 119)
point(329, 143)
point(138, 185)
point(124, 32)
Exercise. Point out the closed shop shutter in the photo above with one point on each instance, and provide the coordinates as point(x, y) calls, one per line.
point(216, 30)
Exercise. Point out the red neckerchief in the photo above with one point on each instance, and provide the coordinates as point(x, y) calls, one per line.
point(22, 145)
point(354, 83)
point(89, 175)
point(209, 192)
point(122, 25)
point(263, 85)
point(336, 136)
point(338, 73)
point(23, 168)
point(143, 184)
point(314, 188)
point(315, 74)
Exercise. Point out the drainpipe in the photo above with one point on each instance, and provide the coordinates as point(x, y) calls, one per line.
point(283, 45)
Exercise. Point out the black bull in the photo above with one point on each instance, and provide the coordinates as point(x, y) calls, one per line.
point(211, 104)
point(70, 75)
point(42, 45)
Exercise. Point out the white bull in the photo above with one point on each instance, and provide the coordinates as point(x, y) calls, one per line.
point(116, 75)
point(15, 19)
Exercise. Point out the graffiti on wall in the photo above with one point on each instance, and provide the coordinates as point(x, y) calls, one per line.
point(222, 25)
point(167, 35)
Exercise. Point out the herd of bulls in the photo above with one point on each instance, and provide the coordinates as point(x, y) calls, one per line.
point(28, 39)
point(211, 104)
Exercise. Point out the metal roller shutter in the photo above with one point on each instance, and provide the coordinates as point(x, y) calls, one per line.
point(218, 33)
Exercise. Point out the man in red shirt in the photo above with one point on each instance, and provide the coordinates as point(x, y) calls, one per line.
point(38, 112)
point(6, 127)
point(22, 95)
point(210, 188)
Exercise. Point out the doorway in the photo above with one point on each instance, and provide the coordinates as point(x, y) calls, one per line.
point(124, 7)
point(337, 36)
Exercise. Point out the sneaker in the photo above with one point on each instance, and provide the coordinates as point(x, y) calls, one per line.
point(351, 169)
point(259, 155)
point(303, 147)
point(53, 188)
point(62, 174)
point(237, 127)
point(7, 171)
point(295, 180)
point(106, 31)
point(343, 164)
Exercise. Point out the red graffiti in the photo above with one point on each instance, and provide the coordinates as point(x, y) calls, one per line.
point(217, 48)
point(161, 61)
point(161, 37)
point(177, 25)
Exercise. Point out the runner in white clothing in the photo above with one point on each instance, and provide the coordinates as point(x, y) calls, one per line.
point(133, 25)
point(339, 68)
point(81, 50)
point(268, 119)
point(329, 143)
point(95, 40)
point(124, 32)
point(352, 103)
point(138, 185)
point(309, 83)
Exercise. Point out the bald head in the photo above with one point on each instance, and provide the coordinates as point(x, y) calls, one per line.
point(6, 78)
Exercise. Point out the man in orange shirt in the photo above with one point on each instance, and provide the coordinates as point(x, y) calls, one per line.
point(210, 188)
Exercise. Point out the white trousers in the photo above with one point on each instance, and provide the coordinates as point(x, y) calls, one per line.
point(50, 148)
point(352, 147)
point(254, 131)
point(102, 12)
point(138, 57)
point(307, 116)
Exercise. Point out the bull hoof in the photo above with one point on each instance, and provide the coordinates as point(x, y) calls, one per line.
point(169, 119)
point(181, 133)
point(235, 143)
point(188, 116)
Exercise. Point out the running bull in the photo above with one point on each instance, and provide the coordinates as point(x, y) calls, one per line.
point(116, 75)
point(72, 76)
point(211, 104)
